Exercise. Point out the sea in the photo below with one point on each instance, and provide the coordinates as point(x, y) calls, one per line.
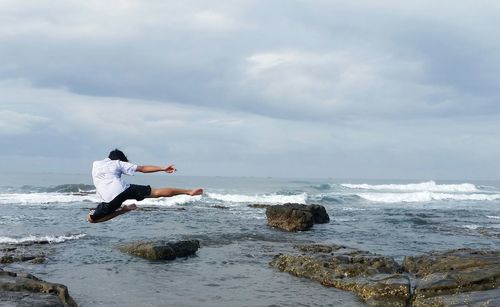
point(231, 268)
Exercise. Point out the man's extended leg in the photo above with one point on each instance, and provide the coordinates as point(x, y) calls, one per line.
point(168, 192)
point(117, 212)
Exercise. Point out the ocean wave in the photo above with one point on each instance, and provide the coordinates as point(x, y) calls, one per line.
point(429, 186)
point(72, 188)
point(493, 217)
point(41, 239)
point(166, 201)
point(264, 198)
point(44, 198)
point(322, 187)
point(425, 197)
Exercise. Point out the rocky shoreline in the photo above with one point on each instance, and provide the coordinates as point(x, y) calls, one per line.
point(22, 289)
point(459, 277)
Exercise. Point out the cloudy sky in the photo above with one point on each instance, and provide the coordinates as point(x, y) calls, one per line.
point(318, 88)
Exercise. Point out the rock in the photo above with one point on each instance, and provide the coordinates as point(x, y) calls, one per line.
point(21, 289)
point(161, 250)
point(373, 277)
point(443, 275)
point(32, 253)
point(296, 217)
point(463, 277)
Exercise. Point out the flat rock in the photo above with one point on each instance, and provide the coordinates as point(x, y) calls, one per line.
point(21, 289)
point(463, 277)
point(449, 273)
point(296, 217)
point(161, 250)
point(22, 253)
point(373, 277)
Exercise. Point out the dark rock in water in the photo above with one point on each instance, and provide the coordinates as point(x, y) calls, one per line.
point(20, 289)
point(463, 277)
point(296, 217)
point(319, 214)
point(258, 206)
point(161, 250)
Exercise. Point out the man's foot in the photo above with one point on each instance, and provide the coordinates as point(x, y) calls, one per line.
point(195, 192)
point(129, 207)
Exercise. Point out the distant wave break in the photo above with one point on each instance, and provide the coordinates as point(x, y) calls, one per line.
point(430, 186)
point(46, 238)
point(263, 198)
point(425, 197)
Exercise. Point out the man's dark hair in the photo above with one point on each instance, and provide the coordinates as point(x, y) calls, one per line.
point(118, 155)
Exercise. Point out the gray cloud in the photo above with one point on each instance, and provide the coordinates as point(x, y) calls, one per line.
point(364, 89)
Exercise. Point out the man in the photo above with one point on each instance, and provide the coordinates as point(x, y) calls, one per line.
point(113, 190)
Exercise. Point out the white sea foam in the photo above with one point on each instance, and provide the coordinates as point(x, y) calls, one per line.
point(429, 186)
point(166, 201)
point(493, 217)
point(425, 197)
point(44, 198)
point(345, 219)
point(48, 238)
point(352, 209)
point(262, 198)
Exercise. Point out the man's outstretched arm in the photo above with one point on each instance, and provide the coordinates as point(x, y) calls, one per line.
point(154, 169)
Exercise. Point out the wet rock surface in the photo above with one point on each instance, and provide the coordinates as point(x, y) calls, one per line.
point(33, 252)
point(463, 277)
point(443, 275)
point(296, 217)
point(161, 249)
point(21, 289)
point(21, 254)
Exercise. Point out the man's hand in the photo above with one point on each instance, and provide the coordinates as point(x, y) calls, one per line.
point(170, 169)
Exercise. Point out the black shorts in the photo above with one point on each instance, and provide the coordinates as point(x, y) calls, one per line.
point(134, 191)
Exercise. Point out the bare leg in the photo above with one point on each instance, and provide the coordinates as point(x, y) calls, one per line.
point(119, 211)
point(168, 192)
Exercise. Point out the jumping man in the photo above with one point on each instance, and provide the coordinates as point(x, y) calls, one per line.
point(110, 187)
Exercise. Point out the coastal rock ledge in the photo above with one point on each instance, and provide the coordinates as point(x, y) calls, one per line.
point(21, 289)
point(296, 217)
point(462, 277)
point(161, 250)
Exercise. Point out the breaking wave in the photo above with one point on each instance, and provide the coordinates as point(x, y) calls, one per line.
point(40, 239)
point(167, 201)
point(428, 186)
point(425, 197)
point(263, 198)
point(45, 198)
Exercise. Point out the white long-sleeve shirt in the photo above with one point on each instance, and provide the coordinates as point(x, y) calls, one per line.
point(107, 177)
